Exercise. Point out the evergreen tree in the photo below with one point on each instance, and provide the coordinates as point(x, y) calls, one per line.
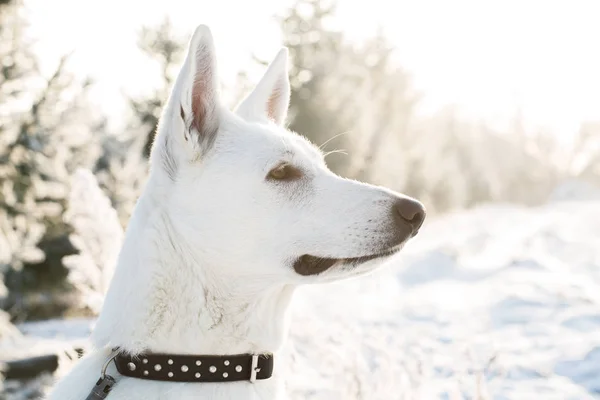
point(46, 131)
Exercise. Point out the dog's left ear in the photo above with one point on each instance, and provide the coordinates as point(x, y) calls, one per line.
point(271, 97)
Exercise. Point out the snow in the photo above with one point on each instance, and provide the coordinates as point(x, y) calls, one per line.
point(574, 189)
point(499, 302)
point(47, 337)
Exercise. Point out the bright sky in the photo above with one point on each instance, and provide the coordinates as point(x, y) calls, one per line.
point(488, 57)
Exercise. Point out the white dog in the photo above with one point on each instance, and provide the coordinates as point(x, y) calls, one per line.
point(237, 212)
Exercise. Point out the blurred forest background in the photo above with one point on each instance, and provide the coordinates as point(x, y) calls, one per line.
point(353, 97)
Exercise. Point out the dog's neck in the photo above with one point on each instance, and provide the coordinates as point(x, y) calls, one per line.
point(162, 299)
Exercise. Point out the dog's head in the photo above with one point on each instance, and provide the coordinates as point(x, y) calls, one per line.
point(258, 201)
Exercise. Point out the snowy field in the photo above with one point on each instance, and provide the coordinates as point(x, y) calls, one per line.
point(500, 302)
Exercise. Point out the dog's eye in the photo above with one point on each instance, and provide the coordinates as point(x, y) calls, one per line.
point(284, 172)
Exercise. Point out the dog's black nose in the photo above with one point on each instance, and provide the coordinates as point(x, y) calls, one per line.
point(410, 211)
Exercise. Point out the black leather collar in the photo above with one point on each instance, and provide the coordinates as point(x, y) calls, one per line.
point(186, 368)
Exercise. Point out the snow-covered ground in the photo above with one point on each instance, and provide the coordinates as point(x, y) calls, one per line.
point(500, 302)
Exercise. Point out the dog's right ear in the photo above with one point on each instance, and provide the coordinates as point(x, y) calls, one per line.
point(270, 98)
point(198, 92)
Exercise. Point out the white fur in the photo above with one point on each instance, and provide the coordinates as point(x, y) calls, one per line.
point(206, 264)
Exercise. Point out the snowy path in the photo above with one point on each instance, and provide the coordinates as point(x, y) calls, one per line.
point(501, 302)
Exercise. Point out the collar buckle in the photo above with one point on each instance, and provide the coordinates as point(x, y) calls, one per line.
point(254, 368)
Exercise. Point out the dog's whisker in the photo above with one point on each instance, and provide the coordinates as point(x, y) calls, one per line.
point(333, 137)
point(340, 151)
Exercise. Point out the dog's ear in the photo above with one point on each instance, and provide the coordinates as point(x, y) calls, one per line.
point(271, 97)
point(190, 120)
point(199, 94)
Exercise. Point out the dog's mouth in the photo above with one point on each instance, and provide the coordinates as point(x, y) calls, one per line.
point(307, 264)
